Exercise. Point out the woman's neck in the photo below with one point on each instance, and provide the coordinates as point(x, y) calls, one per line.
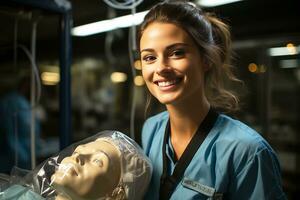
point(184, 121)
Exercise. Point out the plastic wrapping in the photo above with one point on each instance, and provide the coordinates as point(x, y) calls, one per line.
point(108, 165)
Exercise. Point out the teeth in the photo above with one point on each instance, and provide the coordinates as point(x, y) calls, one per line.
point(166, 83)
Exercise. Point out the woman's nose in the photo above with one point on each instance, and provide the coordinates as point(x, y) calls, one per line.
point(163, 66)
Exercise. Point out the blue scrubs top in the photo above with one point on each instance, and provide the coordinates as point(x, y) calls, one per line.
point(233, 162)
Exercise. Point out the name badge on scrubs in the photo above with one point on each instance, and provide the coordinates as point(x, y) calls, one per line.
point(203, 189)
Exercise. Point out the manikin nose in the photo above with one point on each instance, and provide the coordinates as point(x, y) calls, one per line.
point(78, 158)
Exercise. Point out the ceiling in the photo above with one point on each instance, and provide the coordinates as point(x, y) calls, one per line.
point(250, 19)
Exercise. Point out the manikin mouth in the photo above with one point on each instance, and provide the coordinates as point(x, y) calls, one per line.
point(65, 168)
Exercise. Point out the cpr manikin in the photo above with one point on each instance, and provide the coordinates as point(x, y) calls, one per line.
point(107, 166)
point(94, 163)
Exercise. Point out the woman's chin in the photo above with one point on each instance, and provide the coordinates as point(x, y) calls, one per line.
point(167, 99)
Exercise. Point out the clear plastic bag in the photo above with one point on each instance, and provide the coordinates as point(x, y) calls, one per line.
point(108, 165)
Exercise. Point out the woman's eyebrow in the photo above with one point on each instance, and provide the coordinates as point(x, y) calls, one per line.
point(172, 46)
point(148, 49)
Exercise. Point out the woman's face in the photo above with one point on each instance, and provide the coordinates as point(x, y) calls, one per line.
point(92, 171)
point(171, 64)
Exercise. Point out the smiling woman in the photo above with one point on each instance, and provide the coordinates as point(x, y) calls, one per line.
point(197, 151)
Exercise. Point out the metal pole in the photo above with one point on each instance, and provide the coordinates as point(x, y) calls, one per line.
point(65, 80)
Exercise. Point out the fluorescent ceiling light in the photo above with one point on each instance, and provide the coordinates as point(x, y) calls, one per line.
point(118, 77)
point(50, 78)
point(110, 24)
point(291, 63)
point(284, 51)
point(212, 3)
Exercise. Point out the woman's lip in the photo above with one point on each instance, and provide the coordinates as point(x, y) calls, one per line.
point(167, 82)
point(166, 85)
point(167, 88)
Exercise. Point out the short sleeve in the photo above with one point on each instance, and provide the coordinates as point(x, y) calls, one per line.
point(260, 178)
point(151, 128)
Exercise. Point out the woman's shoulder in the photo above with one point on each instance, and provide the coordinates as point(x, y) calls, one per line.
point(240, 137)
point(164, 115)
point(156, 120)
point(241, 152)
point(237, 130)
point(153, 126)
point(243, 141)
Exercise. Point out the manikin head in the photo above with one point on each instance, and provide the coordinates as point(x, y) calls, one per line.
point(108, 165)
point(97, 163)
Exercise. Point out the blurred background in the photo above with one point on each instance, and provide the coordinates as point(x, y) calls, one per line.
point(59, 85)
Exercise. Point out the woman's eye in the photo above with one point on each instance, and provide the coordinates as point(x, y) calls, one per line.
point(98, 162)
point(149, 58)
point(178, 53)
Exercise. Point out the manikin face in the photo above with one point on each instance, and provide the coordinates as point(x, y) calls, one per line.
point(171, 64)
point(93, 170)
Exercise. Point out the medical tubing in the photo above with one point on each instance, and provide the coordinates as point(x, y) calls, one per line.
point(32, 98)
point(15, 43)
point(15, 117)
point(34, 76)
point(129, 4)
point(108, 51)
point(38, 84)
point(36, 72)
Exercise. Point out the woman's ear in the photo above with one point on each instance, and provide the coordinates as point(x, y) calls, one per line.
point(206, 68)
point(205, 65)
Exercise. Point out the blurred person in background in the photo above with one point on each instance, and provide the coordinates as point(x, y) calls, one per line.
point(15, 127)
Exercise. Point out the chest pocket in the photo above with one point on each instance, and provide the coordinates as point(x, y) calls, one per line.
point(205, 191)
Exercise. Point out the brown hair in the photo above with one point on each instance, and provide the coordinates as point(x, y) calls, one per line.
point(212, 36)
